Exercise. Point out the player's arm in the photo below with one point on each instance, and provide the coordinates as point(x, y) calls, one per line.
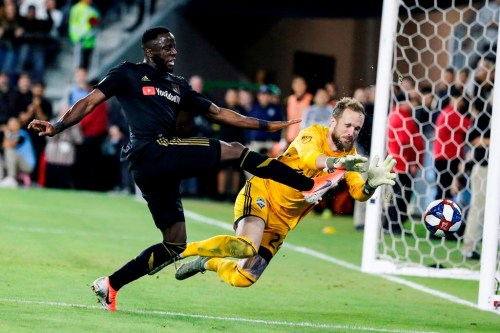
point(229, 117)
point(73, 116)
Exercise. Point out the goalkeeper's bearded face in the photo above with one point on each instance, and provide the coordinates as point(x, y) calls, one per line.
point(345, 130)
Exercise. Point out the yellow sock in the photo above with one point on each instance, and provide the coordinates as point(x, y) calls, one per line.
point(229, 271)
point(221, 246)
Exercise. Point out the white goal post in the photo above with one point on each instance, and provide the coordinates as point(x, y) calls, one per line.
point(410, 252)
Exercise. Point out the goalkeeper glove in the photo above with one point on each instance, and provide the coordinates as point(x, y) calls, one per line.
point(348, 162)
point(380, 174)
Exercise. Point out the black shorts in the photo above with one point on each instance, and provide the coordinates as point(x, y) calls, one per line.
point(160, 167)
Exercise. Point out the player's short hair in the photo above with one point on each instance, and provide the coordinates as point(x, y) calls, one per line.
point(347, 103)
point(152, 34)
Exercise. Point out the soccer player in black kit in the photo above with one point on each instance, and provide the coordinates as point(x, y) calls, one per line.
point(151, 97)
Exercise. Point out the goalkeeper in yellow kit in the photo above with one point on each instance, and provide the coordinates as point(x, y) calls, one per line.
point(265, 211)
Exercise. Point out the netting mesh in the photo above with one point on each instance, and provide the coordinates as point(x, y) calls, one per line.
point(438, 127)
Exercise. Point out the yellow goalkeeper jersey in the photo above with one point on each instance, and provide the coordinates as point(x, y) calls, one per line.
point(286, 205)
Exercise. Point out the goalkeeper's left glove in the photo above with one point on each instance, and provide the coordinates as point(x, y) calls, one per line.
point(380, 174)
point(348, 162)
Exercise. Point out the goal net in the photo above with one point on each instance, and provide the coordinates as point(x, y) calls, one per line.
point(436, 68)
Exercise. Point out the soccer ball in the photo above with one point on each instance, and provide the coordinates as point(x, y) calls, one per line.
point(442, 217)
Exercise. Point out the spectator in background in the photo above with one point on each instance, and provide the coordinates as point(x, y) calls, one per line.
point(320, 112)
point(22, 95)
point(479, 139)
point(275, 94)
point(261, 141)
point(360, 95)
point(40, 108)
point(365, 136)
point(297, 103)
point(34, 38)
point(90, 171)
point(83, 25)
point(80, 86)
point(462, 79)
point(53, 46)
point(245, 100)
point(229, 175)
point(405, 143)
point(18, 154)
point(40, 7)
point(425, 115)
point(7, 97)
point(451, 128)
point(10, 30)
point(331, 89)
point(60, 156)
point(443, 88)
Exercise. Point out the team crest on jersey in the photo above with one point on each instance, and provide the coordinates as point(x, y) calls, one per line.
point(306, 138)
point(175, 87)
point(145, 78)
point(261, 202)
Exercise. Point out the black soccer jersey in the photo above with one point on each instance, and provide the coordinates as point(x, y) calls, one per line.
point(151, 102)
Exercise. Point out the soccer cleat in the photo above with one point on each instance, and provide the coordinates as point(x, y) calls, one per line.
point(322, 185)
point(191, 268)
point(106, 295)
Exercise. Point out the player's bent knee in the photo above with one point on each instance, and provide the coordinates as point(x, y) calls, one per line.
point(242, 247)
point(242, 279)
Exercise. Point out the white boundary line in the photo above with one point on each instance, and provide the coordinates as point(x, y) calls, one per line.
point(234, 319)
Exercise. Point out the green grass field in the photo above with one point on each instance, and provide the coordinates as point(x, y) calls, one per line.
point(53, 244)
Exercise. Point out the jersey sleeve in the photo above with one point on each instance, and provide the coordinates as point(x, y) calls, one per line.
point(115, 82)
point(309, 143)
point(195, 102)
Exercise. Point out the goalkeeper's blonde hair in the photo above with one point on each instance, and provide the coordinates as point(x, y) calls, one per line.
point(347, 103)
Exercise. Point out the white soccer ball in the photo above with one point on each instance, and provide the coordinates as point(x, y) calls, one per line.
point(442, 217)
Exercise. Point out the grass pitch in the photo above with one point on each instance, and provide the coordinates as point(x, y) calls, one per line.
point(53, 244)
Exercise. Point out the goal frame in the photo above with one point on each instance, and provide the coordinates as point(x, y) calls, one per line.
point(370, 262)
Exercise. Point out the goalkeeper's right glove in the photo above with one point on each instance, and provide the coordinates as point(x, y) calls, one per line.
point(380, 174)
point(348, 162)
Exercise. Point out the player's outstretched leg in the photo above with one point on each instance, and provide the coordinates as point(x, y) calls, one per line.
point(221, 246)
point(149, 261)
point(265, 167)
point(322, 185)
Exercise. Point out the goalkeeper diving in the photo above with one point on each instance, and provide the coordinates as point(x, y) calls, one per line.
point(265, 211)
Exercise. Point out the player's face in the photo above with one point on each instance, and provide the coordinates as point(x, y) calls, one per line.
point(346, 129)
point(163, 52)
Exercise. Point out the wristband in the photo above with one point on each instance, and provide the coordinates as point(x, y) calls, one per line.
point(330, 162)
point(59, 126)
point(263, 125)
point(367, 189)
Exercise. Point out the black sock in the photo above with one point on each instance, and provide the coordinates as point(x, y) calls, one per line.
point(148, 260)
point(265, 167)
